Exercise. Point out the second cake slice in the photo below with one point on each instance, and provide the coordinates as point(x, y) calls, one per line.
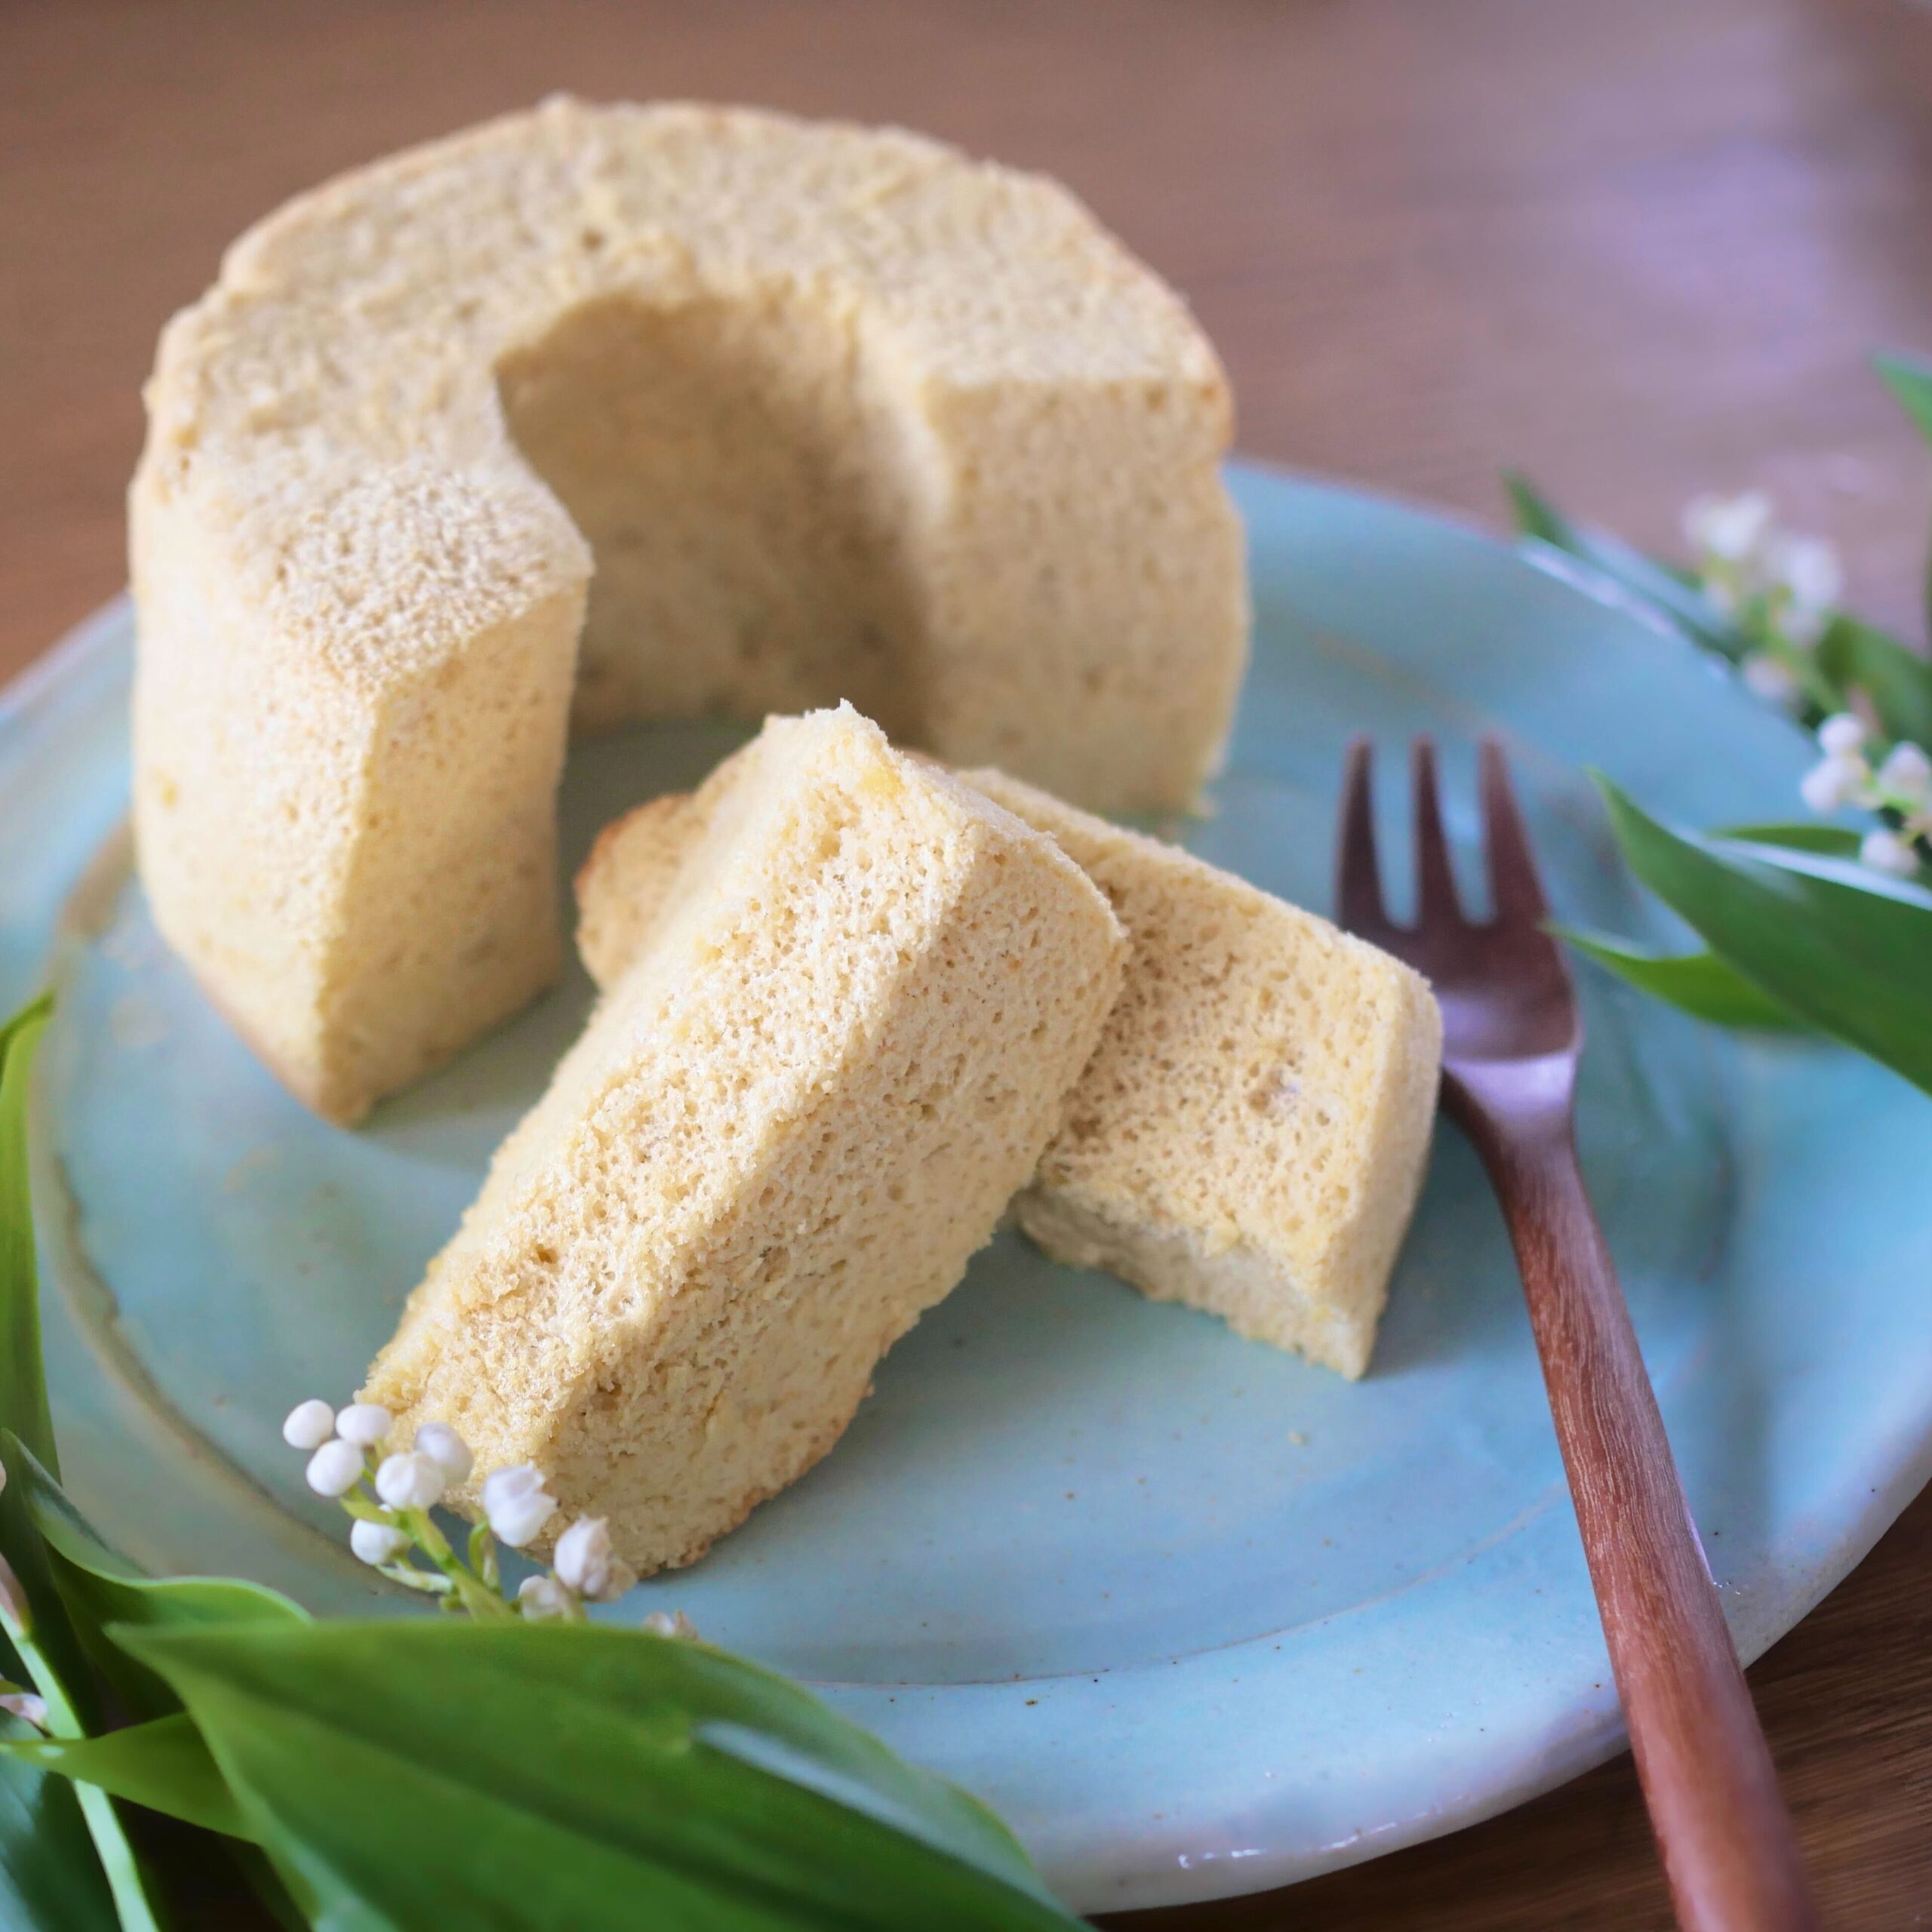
point(1251, 1134)
point(801, 1105)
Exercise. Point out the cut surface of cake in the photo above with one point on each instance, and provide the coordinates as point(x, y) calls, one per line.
point(1251, 1135)
point(792, 1118)
point(623, 413)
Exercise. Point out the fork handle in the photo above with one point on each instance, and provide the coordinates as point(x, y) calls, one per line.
point(1728, 1848)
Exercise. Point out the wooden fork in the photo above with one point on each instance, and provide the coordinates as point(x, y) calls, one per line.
point(1512, 1039)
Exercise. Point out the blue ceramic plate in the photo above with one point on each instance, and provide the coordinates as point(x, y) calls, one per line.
point(1198, 1618)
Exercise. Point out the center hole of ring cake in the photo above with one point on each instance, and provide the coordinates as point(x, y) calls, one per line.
point(749, 484)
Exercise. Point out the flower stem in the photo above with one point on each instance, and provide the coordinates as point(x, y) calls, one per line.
point(406, 1574)
point(483, 1557)
point(476, 1597)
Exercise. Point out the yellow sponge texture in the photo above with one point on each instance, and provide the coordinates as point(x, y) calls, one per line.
point(792, 1118)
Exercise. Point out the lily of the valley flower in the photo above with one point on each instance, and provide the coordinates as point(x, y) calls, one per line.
point(410, 1480)
point(1781, 591)
point(335, 1469)
point(1902, 784)
point(1729, 528)
point(1841, 777)
point(446, 1449)
point(377, 1543)
point(586, 1564)
point(365, 1424)
point(1805, 579)
point(516, 1504)
point(541, 1596)
point(1906, 773)
point(582, 1556)
point(1833, 782)
point(308, 1425)
point(1781, 586)
point(387, 1491)
point(1888, 851)
point(1841, 736)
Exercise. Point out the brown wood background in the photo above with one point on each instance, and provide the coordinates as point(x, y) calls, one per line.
point(1639, 249)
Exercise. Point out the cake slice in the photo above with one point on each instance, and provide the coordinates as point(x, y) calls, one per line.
point(1250, 1136)
point(796, 1112)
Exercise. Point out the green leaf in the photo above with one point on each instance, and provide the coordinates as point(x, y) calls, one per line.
point(1846, 950)
point(1665, 592)
point(100, 1587)
point(1805, 835)
point(1898, 682)
point(49, 1879)
point(163, 1765)
point(540, 1775)
point(36, 1626)
point(1909, 379)
point(38, 1634)
point(130, 1596)
point(65, 1861)
point(1701, 984)
point(23, 1387)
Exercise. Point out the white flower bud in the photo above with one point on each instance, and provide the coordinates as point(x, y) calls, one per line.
point(376, 1544)
point(585, 1561)
point(410, 1480)
point(669, 1623)
point(446, 1449)
point(517, 1521)
point(1885, 851)
point(516, 1504)
point(1833, 782)
point(1802, 627)
point(335, 1469)
point(1728, 527)
point(518, 1479)
point(308, 1425)
point(26, 1705)
point(365, 1424)
point(539, 1596)
point(1841, 735)
point(1809, 569)
point(1908, 771)
point(1765, 675)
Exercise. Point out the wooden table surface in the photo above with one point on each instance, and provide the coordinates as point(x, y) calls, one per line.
point(1637, 250)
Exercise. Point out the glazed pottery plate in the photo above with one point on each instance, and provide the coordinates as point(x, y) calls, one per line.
point(1198, 1618)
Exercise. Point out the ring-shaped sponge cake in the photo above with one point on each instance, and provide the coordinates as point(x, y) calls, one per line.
point(615, 413)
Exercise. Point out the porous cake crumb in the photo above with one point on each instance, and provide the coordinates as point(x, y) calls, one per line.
point(1251, 1135)
point(794, 1114)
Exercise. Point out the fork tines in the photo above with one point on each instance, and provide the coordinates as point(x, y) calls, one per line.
point(1516, 896)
